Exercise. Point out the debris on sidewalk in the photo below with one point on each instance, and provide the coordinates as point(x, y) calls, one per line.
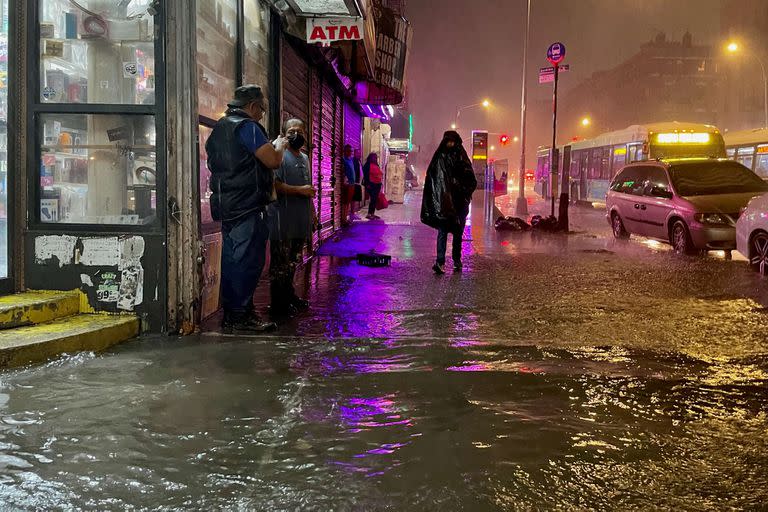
point(373, 259)
point(511, 224)
point(549, 224)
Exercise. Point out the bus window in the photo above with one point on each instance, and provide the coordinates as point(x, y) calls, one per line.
point(594, 163)
point(761, 167)
point(746, 156)
point(575, 158)
point(731, 153)
point(619, 158)
point(605, 163)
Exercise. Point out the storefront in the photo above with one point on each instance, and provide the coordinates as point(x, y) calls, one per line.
point(105, 108)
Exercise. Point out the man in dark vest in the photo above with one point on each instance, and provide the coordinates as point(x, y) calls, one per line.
point(241, 160)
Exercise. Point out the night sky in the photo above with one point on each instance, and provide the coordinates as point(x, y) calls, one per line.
point(465, 51)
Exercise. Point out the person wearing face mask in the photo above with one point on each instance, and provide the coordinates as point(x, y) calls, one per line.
point(241, 160)
point(447, 194)
point(292, 219)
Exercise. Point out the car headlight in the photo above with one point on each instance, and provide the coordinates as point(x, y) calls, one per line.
point(713, 219)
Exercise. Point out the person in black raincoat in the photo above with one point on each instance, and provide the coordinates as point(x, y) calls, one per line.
point(448, 191)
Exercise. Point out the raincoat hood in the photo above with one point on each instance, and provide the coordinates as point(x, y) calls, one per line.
point(449, 186)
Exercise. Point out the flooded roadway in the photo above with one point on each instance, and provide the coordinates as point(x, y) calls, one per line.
point(556, 372)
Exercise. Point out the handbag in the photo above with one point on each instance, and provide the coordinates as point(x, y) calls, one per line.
point(382, 203)
point(358, 193)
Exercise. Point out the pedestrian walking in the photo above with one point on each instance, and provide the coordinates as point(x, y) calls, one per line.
point(241, 160)
point(374, 178)
point(292, 219)
point(448, 192)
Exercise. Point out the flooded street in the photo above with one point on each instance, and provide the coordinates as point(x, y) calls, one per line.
point(569, 372)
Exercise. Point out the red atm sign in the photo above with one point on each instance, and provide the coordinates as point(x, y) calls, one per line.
point(328, 30)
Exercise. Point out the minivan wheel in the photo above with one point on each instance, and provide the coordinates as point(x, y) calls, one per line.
point(758, 253)
point(618, 227)
point(680, 238)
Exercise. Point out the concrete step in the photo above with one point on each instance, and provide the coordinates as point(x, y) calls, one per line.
point(37, 307)
point(86, 332)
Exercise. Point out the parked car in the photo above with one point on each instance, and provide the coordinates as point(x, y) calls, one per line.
point(752, 233)
point(691, 203)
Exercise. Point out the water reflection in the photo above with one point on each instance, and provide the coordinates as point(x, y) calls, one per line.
point(409, 424)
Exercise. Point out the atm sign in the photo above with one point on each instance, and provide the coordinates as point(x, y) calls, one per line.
point(328, 30)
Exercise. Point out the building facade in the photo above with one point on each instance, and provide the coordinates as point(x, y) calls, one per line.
point(666, 80)
point(105, 108)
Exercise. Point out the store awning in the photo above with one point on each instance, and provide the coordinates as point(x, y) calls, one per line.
point(367, 45)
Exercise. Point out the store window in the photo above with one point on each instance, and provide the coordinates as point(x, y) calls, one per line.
point(93, 51)
point(216, 55)
point(98, 169)
point(205, 178)
point(4, 138)
point(256, 40)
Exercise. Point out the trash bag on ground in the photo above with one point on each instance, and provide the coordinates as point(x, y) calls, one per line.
point(549, 224)
point(511, 224)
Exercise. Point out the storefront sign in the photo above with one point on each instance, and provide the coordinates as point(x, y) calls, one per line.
point(386, 87)
point(391, 50)
point(328, 30)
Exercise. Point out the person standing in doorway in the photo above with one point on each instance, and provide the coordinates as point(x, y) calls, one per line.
point(293, 217)
point(241, 160)
point(374, 178)
point(352, 177)
point(448, 192)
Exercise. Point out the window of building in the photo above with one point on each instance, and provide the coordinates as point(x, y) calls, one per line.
point(4, 57)
point(98, 169)
point(98, 161)
point(91, 52)
point(216, 55)
point(256, 42)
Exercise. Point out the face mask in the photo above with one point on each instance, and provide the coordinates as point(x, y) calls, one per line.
point(296, 141)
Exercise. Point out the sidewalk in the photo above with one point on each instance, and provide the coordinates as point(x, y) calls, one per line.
point(523, 288)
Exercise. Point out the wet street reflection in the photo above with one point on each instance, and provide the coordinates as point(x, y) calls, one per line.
point(369, 424)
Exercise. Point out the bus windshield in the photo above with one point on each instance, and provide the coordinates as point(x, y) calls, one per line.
point(716, 177)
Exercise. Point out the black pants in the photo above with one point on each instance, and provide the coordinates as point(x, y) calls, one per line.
point(243, 255)
point(442, 244)
point(373, 191)
point(284, 257)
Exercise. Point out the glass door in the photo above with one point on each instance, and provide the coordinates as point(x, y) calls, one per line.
point(5, 274)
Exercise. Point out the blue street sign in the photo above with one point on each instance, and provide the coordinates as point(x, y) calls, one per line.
point(556, 53)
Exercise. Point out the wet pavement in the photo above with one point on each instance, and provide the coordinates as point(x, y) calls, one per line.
point(558, 371)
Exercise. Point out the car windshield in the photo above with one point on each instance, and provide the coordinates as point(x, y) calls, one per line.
point(709, 178)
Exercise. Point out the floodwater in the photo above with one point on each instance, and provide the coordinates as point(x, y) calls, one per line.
point(557, 372)
point(299, 424)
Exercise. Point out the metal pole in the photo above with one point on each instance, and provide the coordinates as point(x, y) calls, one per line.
point(765, 92)
point(521, 208)
point(553, 158)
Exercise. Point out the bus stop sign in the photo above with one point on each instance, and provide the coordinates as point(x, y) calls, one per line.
point(556, 53)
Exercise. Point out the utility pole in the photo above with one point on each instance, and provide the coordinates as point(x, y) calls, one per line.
point(521, 208)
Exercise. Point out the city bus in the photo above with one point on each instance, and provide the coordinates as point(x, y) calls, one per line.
point(749, 148)
point(594, 162)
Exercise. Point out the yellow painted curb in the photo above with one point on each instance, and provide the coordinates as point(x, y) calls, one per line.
point(39, 343)
point(37, 307)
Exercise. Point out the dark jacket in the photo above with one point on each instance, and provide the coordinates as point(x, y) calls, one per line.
point(240, 183)
point(448, 188)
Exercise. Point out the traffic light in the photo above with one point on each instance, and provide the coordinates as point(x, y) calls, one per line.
point(504, 140)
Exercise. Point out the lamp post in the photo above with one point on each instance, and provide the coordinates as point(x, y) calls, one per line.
point(484, 104)
point(734, 48)
point(521, 207)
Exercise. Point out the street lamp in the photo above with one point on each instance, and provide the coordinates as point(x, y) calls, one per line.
point(485, 104)
point(453, 126)
point(733, 48)
point(586, 122)
point(515, 139)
